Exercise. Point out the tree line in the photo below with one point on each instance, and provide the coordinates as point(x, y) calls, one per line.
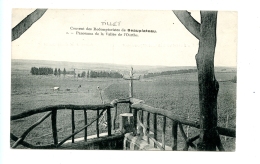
point(104, 74)
point(41, 71)
point(89, 74)
point(48, 71)
point(100, 74)
point(58, 72)
point(170, 72)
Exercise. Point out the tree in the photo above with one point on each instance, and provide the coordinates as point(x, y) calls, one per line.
point(234, 80)
point(34, 71)
point(41, 71)
point(205, 32)
point(59, 72)
point(88, 74)
point(64, 72)
point(50, 71)
point(55, 72)
point(83, 74)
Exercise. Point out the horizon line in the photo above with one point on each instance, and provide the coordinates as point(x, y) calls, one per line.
point(119, 64)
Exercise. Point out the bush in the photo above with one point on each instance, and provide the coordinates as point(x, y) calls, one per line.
point(234, 80)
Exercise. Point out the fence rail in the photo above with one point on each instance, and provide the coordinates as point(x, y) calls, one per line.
point(60, 107)
point(52, 111)
point(138, 107)
point(177, 121)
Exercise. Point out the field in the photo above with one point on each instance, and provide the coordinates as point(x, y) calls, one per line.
point(177, 92)
point(30, 92)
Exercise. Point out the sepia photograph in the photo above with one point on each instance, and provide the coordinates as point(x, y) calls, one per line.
point(92, 79)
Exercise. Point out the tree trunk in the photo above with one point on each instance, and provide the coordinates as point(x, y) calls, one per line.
point(208, 85)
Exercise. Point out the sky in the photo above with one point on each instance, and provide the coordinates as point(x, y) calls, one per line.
point(53, 37)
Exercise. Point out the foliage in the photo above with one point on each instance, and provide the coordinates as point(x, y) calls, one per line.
point(96, 74)
point(234, 80)
point(59, 71)
point(170, 72)
point(55, 72)
point(88, 75)
point(41, 71)
point(69, 72)
point(83, 74)
point(64, 72)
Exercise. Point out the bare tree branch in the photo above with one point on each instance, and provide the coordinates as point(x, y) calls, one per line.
point(26, 23)
point(189, 22)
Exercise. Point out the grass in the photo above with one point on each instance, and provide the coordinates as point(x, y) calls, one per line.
point(178, 93)
point(30, 92)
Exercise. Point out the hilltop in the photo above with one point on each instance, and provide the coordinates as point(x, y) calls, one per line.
point(25, 65)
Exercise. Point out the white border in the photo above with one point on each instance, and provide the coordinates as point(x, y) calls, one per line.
point(247, 94)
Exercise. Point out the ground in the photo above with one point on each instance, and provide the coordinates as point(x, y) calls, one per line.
point(177, 92)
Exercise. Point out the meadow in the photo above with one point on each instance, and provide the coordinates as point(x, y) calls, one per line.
point(31, 91)
point(178, 93)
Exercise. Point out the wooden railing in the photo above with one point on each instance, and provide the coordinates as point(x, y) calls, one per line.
point(136, 106)
point(176, 121)
point(52, 111)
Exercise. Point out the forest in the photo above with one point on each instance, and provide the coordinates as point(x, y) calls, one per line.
point(170, 72)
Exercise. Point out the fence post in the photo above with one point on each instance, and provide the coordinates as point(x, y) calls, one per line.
point(114, 119)
point(142, 116)
point(174, 134)
point(54, 126)
point(163, 132)
point(226, 126)
point(130, 108)
point(86, 122)
point(72, 124)
point(155, 127)
point(148, 126)
point(109, 121)
point(135, 120)
point(97, 124)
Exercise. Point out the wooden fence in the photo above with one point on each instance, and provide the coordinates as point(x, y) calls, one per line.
point(175, 121)
point(52, 111)
point(136, 106)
